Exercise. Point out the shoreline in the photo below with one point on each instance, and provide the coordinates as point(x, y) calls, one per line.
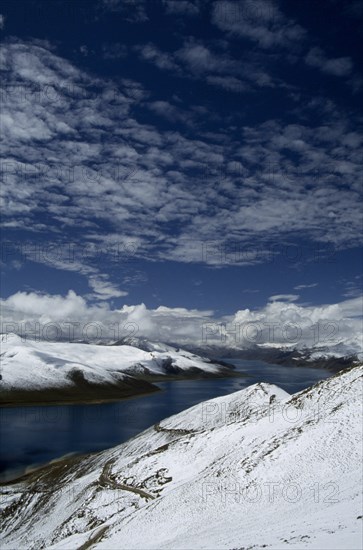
point(39, 469)
point(22, 475)
point(80, 391)
point(284, 358)
point(141, 386)
point(56, 463)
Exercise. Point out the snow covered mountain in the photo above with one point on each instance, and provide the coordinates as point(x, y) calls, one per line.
point(255, 469)
point(61, 371)
point(333, 359)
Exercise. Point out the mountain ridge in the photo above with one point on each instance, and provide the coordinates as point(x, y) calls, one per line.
point(192, 481)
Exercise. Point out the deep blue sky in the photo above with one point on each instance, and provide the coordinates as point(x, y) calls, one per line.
point(190, 154)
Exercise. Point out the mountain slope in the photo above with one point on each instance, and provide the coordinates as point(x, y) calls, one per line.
point(333, 359)
point(61, 371)
point(257, 468)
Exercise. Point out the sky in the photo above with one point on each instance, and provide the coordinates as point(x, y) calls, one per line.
point(175, 163)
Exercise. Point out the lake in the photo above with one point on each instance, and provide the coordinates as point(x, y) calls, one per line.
point(31, 436)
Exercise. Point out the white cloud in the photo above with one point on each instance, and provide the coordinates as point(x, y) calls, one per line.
point(300, 287)
point(201, 59)
point(341, 66)
point(169, 111)
point(182, 7)
point(145, 178)
point(162, 60)
point(2, 21)
point(103, 289)
point(27, 312)
point(259, 20)
point(196, 60)
point(229, 83)
point(264, 23)
point(354, 287)
point(43, 306)
point(280, 322)
point(284, 298)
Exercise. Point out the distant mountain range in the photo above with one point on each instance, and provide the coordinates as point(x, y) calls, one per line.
point(59, 372)
point(282, 356)
point(333, 358)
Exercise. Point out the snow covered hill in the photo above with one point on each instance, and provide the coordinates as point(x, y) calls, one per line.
point(59, 371)
point(255, 469)
point(333, 358)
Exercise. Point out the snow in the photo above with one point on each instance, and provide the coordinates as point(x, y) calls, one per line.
point(341, 349)
point(33, 365)
point(349, 346)
point(251, 469)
